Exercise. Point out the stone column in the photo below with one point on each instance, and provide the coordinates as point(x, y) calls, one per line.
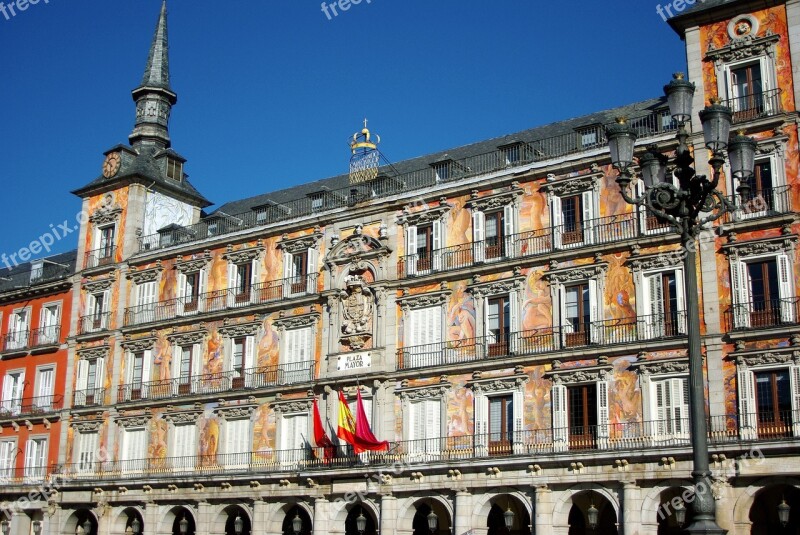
point(542, 510)
point(388, 518)
point(150, 519)
point(631, 508)
point(463, 512)
point(203, 519)
point(20, 523)
point(322, 516)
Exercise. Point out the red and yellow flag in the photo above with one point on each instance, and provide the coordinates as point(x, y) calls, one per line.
point(347, 424)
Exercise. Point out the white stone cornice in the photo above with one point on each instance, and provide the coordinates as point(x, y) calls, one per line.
point(423, 392)
point(781, 244)
point(183, 417)
point(423, 217)
point(243, 256)
point(661, 367)
point(90, 353)
point(754, 359)
point(188, 338)
point(572, 185)
point(87, 426)
point(580, 375)
point(296, 322)
point(498, 384)
point(194, 263)
point(665, 259)
point(138, 420)
point(576, 273)
point(100, 285)
point(744, 48)
point(425, 300)
point(240, 329)
point(140, 276)
point(236, 412)
point(300, 243)
point(498, 287)
point(495, 201)
point(138, 344)
point(292, 406)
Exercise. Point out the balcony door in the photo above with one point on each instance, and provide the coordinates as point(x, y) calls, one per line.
point(501, 424)
point(774, 403)
point(498, 325)
point(13, 386)
point(764, 293)
point(582, 411)
point(577, 315)
point(747, 90)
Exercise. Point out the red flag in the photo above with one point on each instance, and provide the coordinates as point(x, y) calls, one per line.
point(366, 440)
point(347, 424)
point(321, 439)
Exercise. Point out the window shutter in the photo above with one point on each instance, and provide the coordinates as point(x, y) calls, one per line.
point(641, 211)
point(147, 358)
point(479, 235)
point(106, 299)
point(513, 320)
point(588, 216)
point(287, 266)
point(785, 290)
point(559, 404)
point(602, 414)
point(595, 313)
point(517, 408)
point(30, 455)
point(6, 458)
point(233, 275)
point(438, 244)
point(433, 422)
point(481, 420)
point(411, 250)
point(100, 372)
point(45, 384)
point(91, 309)
point(660, 392)
point(747, 404)
point(249, 352)
point(509, 212)
point(681, 298)
point(312, 269)
point(8, 386)
point(680, 400)
point(182, 293)
point(177, 354)
point(564, 327)
point(740, 294)
point(83, 377)
point(417, 425)
point(197, 360)
point(556, 219)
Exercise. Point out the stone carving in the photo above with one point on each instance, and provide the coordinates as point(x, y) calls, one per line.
point(356, 248)
point(413, 394)
point(423, 217)
point(743, 48)
point(140, 344)
point(574, 274)
point(243, 256)
point(187, 338)
point(775, 145)
point(296, 322)
point(482, 289)
point(145, 275)
point(494, 201)
point(99, 285)
point(577, 376)
point(87, 426)
point(182, 417)
point(240, 329)
point(301, 406)
point(657, 261)
point(423, 300)
point(193, 264)
point(571, 186)
point(236, 412)
point(139, 420)
point(768, 357)
point(743, 249)
point(356, 305)
point(106, 214)
point(498, 384)
point(90, 353)
point(661, 368)
point(300, 244)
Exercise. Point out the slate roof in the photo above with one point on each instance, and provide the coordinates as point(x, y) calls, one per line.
point(56, 267)
point(543, 132)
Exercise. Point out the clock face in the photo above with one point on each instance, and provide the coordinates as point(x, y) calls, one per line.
point(111, 165)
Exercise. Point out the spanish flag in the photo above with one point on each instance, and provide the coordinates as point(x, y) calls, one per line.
point(357, 432)
point(347, 424)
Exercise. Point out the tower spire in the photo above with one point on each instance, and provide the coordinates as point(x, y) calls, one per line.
point(154, 97)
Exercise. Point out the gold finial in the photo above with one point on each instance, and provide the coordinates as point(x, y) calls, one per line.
point(714, 100)
point(622, 120)
point(678, 76)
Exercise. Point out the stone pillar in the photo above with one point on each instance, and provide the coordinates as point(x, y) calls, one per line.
point(463, 512)
point(631, 521)
point(260, 516)
point(388, 520)
point(203, 519)
point(542, 510)
point(322, 516)
point(20, 523)
point(150, 519)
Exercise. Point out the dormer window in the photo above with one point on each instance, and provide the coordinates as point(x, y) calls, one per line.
point(317, 202)
point(442, 170)
point(174, 169)
point(37, 270)
point(514, 153)
point(589, 137)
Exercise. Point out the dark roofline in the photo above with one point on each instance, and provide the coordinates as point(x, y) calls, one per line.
point(102, 185)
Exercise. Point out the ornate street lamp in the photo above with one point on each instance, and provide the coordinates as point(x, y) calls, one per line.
point(183, 525)
point(37, 527)
point(297, 524)
point(361, 523)
point(87, 527)
point(508, 518)
point(433, 521)
point(688, 207)
point(680, 514)
point(5, 527)
point(783, 512)
point(238, 525)
point(592, 514)
point(136, 526)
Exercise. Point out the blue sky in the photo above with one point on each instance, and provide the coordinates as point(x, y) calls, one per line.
point(269, 91)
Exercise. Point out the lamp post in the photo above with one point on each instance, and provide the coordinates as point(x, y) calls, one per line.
point(783, 512)
point(680, 514)
point(688, 206)
point(5, 527)
point(136, 526)
point(592, 515)
point(433, 521)
point(361, 523)
point(183, 526)
point(297, 524)
point(508, 518)
point(87, 527)
point(37, 527)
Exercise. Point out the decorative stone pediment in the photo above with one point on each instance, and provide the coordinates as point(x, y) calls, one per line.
point(423, 392)
point(138, 344)
point(498, 287)
point(565, 187)
point(428, 299)
point(139, 420)
point(296, 322)
point(782, 244)
point(236, 412)
point(240, 329)
point(243, 256)
point(422, 217)
point(188, 338)
point(576, 274)
point(87, 426)
point(194, 263)
point(665, 259)
point(106, 214)
point(571, 376)
point(140, 276)
point(776, 145)
point(743, 48)
point(665, 367)
point(766, 358)
point(90, 353)
point(495, 201)
point(183, 417)
point(498, 384)
point(99, 285)
point(292, 406)
point(301, 243)
point(356, 248)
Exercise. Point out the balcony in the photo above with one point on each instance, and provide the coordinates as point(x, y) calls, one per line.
point(105, 256)
point(756, 315)
point(543, 242)
point(649, 124)
point(755, 106)
point(30, 407)
point(639, 437)
point(215, 383)
point(16, 341)
point(90, 397)
point(46, 336)
point(763, 203)
point(30, 475)
point(221, 300)
point(48, 272)
point(547, 340)
point(94, 323)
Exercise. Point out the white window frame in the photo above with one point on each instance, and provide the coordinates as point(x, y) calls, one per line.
point(648, 328)
point(595, 311)
point(8, 459)
point(293, 344)
point(481, 414)
point(665, 427)
point(92, 313)
point(82, 380)
point(194, 366)
point(45, 396)
point(13, 391)
point(725, 85)
point(98, 240)
point(560, 410)
point(146, 379)
point(746, 392)
point(19, 331)
point(589, 210)
point(778, 164)
point(510, 228)
point(237, 458)
point(132, 459)
point(36, 452)
point(293, 445)
point(434, 409)
point(438, 239)
point(87, 450)
point(291, 278)
point(248, 359)
point(48, 330)
point(183, 292)
point(431, 321)
point(740, 286)
point(183, 443)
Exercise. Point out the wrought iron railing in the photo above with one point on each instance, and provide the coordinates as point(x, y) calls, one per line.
point(648, 124)
point(21, 476)
point(541, 242)
point(89, 397)
point(633, 435)
point(48, 272)
point(31, 406)
point(545, 340)
point(46, 336)
point(95, 323)
point(104, 256)
point(215, 383)
point(755, 106)
point(763, 314)
point(219, 300)
point(16, 341)
point(761, 203)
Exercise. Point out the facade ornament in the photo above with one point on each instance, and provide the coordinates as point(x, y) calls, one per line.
point(411, 302)
point(107, 214)
point(140, 276)
point(498, 384)
point(357, 303)
point(423, 217)
point(193, 264)
point(99, 285)
point(743, 249)
point(494, 201)
point(296, 322)
point(580, 375)
point(91, 353)
point(774, 145)
point(183, 417)
point(87, 426)
point(662, 367)
point(240, 329)
point(243, 256)
point(139, 420)
point(235, 412)
point(743, 48)
point(359, 249)
point(763, 358)
point(571, 186)
point(187, 338)
point(139, 344)
point(573, 274)
point(425, 392)
point(293, 406)
point(301, 243)
point(483, 289)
